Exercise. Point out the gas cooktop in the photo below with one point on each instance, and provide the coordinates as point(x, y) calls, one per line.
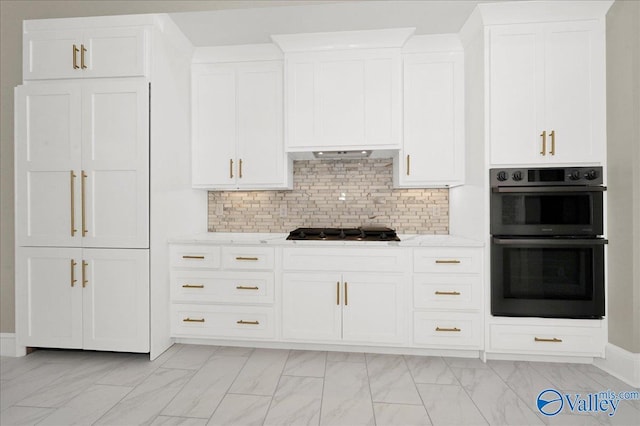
point(347, 234)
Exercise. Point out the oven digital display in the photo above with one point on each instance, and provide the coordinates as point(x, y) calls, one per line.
point(546, 175)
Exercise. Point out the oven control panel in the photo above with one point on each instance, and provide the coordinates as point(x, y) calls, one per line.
point(547, 176)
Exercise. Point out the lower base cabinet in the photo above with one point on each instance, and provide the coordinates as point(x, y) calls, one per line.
point(73, 298)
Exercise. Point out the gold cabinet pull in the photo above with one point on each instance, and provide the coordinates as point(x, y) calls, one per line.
point(83, 50)
point(231, 168)
point(73, 203)
point(240, 168)
point(408, 165)
point(540, 339)
point(244, 287)
point(553, 142)
point(193, 257)
point(346, 293)
point(247, 258)
point(187, 319)
point(84, 202)
point(85, 281)
point(337, 292)
point(192, 285)
point(447, 329)
point(448, 293)
point(248, 322)
point(75, 60)
point(447, 261)
point(543, 135)
point(73, 272)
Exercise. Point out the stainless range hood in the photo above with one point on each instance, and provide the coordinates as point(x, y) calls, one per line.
point(342, 155)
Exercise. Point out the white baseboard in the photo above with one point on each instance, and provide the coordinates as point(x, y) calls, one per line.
point(7, 344)
point(621, 363)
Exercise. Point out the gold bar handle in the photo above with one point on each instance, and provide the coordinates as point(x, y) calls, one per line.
point(244, 287)
point(247, 258)
point(448, 293)
point(554, 340)
point(73, 203)
point(192, 285)
point(553, 142)
point(240, 168)
point(73, 272)
point(75, 59)
point(456, 329)
point(85, 231)
point(83, 50)
point(85, 281)
point(337, 292)
point(346, 293)
point(193, 257)
point(408, 165)
point(544, 142)
point(187, 319)
point(231, 168)
point(248, 322)
point(447, 261)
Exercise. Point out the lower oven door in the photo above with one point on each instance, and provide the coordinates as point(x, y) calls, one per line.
point(547, 277)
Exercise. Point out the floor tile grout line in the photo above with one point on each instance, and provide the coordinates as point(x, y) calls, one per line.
point(417, 390)
point(366, 366)
point(467, 393)
point(277, 386)
point(324, 381)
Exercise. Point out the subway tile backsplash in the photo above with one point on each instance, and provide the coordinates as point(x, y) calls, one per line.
point(329, 193)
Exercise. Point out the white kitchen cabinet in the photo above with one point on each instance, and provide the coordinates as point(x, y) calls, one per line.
point(237, 131)
point(343, 100)
point(85, 53)
point(82, 164)
point(547, 93)
point(77, 298)
point(433, 121)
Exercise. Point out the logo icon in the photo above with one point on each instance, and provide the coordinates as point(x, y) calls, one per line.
point(550, 402)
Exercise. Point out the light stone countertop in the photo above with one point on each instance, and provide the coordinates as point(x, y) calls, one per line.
point(279, 239)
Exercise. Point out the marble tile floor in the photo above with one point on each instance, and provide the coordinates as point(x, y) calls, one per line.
point(210, 385)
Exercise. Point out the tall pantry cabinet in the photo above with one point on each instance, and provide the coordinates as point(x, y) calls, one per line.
point(102, 162)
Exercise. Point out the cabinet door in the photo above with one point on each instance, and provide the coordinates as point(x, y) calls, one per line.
point(116, 300)
point(374, 308)
point(115, 162)
point(516, 95)
point(51, 54)
point(49, 297)
point(575, 91)
point(48, 142)
point(261, 158)
point(433, 120)
point(312, 306)
point(114, 52)
point(214, 126)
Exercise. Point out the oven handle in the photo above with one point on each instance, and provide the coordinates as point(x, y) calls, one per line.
point(507, 189)
point(551, 241)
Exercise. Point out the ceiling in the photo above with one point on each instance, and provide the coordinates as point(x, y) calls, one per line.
point(255, 25)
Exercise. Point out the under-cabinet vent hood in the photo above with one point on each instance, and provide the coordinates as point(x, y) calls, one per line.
point(342, 155)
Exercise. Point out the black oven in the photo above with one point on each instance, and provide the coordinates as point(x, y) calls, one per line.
point(547, 250)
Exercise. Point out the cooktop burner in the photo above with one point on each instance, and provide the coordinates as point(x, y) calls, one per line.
point(348, 234)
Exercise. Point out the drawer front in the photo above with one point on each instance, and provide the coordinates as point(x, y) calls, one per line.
point(199, 286)
point(242, 322)
point(447, 330)
point(547, 340)
point(188, 256)
point(344, 259)
point(441, 291)
point(449, 260)
point(254, 258)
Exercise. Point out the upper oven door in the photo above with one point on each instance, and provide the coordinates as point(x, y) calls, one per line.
point(547, 211)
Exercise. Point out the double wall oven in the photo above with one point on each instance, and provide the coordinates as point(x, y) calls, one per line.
point(547, 249)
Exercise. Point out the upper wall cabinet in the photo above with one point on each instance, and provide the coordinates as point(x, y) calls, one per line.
point(547, 93)
point(90, 53)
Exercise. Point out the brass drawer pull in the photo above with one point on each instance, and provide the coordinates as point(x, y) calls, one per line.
point(244, 287)
point(73, 272)
point(337, 292)
point(231, 168)
point(85, 281)
point(75, 59)
point(83, 50)
point(193, 257)
point(83, 185)
point(447, 261)
point(554, 340)
point(553, 142)
point(346, 293)
point(408, 165)
point(193, 319)
point(543, 135)
point(448, 293)
point(447, 329)
point(248, 322)
point(240, 168)
point(193, 286)
point(247, 258)
point(73, 204)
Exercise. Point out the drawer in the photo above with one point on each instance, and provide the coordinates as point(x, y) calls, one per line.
point(441, 291)
point(548, 339)
point(449, 260)
point(190, 256)
point(345, 259)
point(198, 286)
point(447, 330)
point(242, 322)
point(255, 258)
